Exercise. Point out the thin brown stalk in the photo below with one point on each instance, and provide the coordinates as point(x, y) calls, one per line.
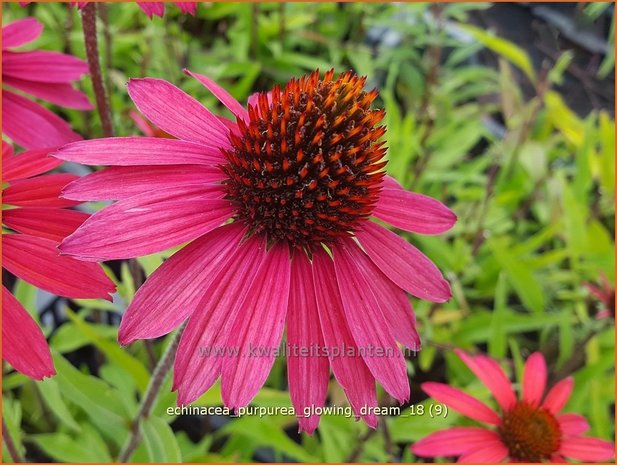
point(10, 444)
point(88, 17)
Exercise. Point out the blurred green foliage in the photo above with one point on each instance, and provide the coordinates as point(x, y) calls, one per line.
point(531, 182)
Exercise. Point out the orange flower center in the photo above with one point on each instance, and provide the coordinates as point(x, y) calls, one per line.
point(531, 434)
point(308, 164)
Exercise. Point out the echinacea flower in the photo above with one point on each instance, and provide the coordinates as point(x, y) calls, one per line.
point(258, 199)
point(42, 74)
point(529, 428)
point(158, 8)
point(605, 293)
point(34, 221)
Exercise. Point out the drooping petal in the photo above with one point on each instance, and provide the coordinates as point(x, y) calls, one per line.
point(558, 396)
point(152, 8)
point(36, 260)
point(454, 441)
point(490, 373)
point(60, 94)
point(51, 223)
point(177, 113)
point(203, 346)
point(534, 379)
point(174, 291)
point(40, 191)
point(187, 7)
point(461, 402)
point(405, 265)
point(587, 449)
point(121, 182)
point(349, 369)
point(395, 306)
point(20, 32)
point(224, 97)
point(28, 164)
point(572, 424)
point(43, 66)
point(23, 343)
point(148, 223)
point(367, 323)
point(493, 453)
point(136, 151)
point(307, 373)
point(31, 126)
point(412, 211)
point(259, 328)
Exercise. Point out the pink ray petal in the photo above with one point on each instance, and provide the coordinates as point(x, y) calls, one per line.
point(224, 97)
point(259, 328)
point(60, 94)
point(572, 424)
point(187, 119)
point(149, 223)
point(307, 373)
point(350, 370)
point(493, 453)
point(461, 402)
point(20, 32)
point(36, 260)
point(30, 125)
point(7, 152)
point(40, 191)
point(50, 223)
point(405, 265)
point(43, 66)
point(135, 151)
point(455, 441)
point(203, 346)
point(185, 277)
point(534, 379)
point(27, 164)
point(187, 7)
point(411, 211)
point(152, 8)
point(23, 343)
point(558, 396)
point(121, 182)
point(367, 323)
point(395, 305)
point(490, 373)
point(587, 449)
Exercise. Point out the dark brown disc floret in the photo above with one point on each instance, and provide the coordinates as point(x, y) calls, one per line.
point(307, 165)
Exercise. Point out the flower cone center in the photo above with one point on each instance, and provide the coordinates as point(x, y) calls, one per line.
point(307, 166)
point(530, 433)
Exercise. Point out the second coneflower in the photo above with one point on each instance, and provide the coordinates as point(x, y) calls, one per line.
point(277, 208)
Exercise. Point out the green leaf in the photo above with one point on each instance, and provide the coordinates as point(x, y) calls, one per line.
point(506, 49)
point(520, 276)
point(160, 441)
point(50, 391)
point(87, 447)
point(133, 367)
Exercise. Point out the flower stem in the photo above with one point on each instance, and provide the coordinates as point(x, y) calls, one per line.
point(147, 402)
point(88, 17)
point(10, 445)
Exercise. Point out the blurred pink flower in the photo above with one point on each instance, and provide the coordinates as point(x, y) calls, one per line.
point(605, 293)
point(40, 221)
point(42, 74)
point(303, 167)
point(529, 429)
point(158, 8)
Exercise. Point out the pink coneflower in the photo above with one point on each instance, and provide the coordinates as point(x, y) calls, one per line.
point(42, 74)
point(258, 199)
point(40, 220)
point(529, 429)
point(605, 293)
point(158, 8)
